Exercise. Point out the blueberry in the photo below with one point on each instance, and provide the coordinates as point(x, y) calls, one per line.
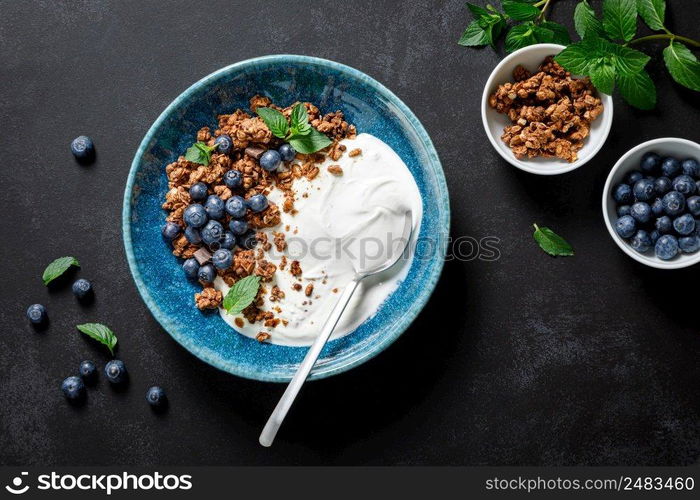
point(236, 207)
point(88, 370)
point(666, 247)
point(626, 226)
point(36, 313)
point(73, 388)
point(82, 288)
point(670, 167)
point(191, 268)
point(170, 231)
point(693, 204)
point(270, 160)
point(238, 226)
point(223, 144)
point(641, 212)
point(214, 207)
point(684, 225)
point(222, 258)
point(641, 241)
point(689, 244)
point(193, 235)
point(697, 186)
point(633, 176)
point(195, 215)
point(257, 202)
point(664, 224)
point(155, 396)
point(233, 179)
point(287, 152)
point(674, 203)
point(206, 273)
point(685, 185)
point(623, 194)
point(662, 185)
point(691, 167)
point(643, 190)
point(212, 232)
point(115, 371)
point(248, 240)
point(623, 210)
point(657, 207)
point(82, 148)
point(654, 235)
point(198, 192)
point(228, 241)
point(650, 162)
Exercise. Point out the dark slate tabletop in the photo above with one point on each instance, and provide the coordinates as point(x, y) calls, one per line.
point(526, 360)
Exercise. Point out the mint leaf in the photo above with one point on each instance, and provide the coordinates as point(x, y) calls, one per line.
point(585, 22)
point(626, 60)
point(477, 12)
point(653, 12)
point(57, 268)
point(519, 36)
point(576, 58)
point(241, 294)
point(299, 120)
point(551, 242)
point(620, 19)
point(275, 121)
point(560, 33)
point(520, 11)
point(683, 65)
point(637, 89)
point(199, 153)
point(100, 333)
point(307, 144)
point(474, 36)
point(493, 28)
point(603, 76)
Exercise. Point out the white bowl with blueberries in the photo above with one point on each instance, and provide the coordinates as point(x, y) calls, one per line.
point(651, 203)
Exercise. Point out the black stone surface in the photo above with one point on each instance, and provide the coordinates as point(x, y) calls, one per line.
point(526, 360)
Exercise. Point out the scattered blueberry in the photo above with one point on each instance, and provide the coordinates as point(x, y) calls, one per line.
point(115, 371)
point(641, 212)
point(82, 148)
point(222, 258)
point(238, 226)
point(88, 370)
point(641, 241)
point(670, 167)
point(689, 244)
point(693, 204)
point(36, 313)
point(156, 396)
point(664, 225)
point(228, 241)
point(684, 225)
point(223, 144)
point(634, 176)
point(643, 189)
point(270, 160)
point(657, 207)
point(684, 184)
point(170, 231)
point(236, 207)
point(691, 167)
point(198, 191)
point(287, 152)
point(73, 388)
point(248, 240)
point(214, 207)
point(193, 235)
point(650, 162)
point(212, 232)
point(206, 273)
point(623, 194)
point(233, 179)
point(257, 202)
point(195, 215)
point(82, 288)
point(666, 247)
point(674, 203)
point(662, 185)
point(191, 268)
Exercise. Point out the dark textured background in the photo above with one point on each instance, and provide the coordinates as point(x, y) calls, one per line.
point(526, 360)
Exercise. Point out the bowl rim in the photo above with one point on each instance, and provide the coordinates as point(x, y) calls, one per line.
point(654, 261)
point(406, 318)
point(533, 167)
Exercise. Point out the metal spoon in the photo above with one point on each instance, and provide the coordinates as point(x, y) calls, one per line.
point(285, 403)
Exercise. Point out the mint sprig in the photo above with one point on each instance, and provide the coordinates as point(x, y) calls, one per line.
point(101, 333)
point(241, 294)
point(297, 131)
point(200, 153)
point(57, 268)
point(551, 242)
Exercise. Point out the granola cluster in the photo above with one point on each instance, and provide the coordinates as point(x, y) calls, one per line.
point(551, 112)
point(250, 138)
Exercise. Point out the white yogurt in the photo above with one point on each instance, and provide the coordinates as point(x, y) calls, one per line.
point(340, 221)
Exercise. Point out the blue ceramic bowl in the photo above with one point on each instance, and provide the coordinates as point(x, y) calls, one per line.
point(284, 78)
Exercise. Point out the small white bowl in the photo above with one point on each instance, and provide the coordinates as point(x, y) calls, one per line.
point(665, 146)
point(494, 122)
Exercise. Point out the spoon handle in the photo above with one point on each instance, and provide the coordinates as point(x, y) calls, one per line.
point(285, 403)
